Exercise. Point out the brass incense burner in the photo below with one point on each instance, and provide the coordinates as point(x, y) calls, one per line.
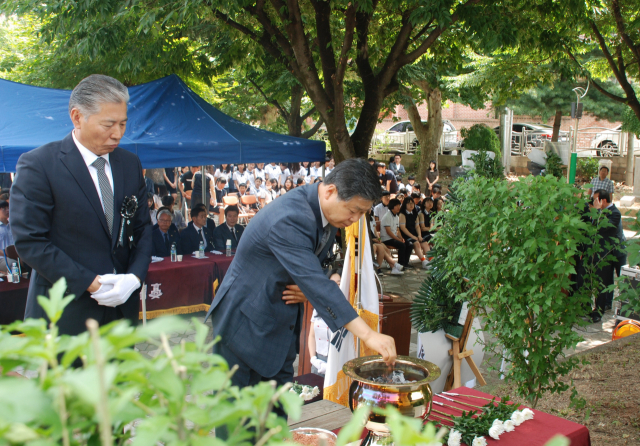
point(411, 399)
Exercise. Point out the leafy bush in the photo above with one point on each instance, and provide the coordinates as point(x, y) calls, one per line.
point(176, 398)
point(517, 243)
point(487, 167)
point(481, 137)
point(587, 168)
point(554, 165)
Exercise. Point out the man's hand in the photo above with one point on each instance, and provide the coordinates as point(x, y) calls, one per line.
point(293, 295)
point(122, 285)
point(597, 203)
point(383, 344)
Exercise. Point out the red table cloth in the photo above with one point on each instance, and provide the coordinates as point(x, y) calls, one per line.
point(183, 287)
point(536, 432)
point(13, 299)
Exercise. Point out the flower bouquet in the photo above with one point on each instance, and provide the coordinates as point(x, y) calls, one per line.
point(305, 392)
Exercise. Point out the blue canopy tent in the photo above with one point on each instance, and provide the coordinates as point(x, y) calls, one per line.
point(169, 126)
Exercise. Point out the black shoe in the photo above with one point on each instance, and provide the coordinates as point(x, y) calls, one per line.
point(408, 266)
point(595, 316)
point(379, 272)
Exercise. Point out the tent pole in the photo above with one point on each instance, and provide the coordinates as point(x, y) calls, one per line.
point(204, 189)
point(359, 259)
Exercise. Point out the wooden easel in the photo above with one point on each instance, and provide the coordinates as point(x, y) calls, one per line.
point(460, 352)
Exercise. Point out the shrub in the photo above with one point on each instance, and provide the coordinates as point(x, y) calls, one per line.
point(481, 137)
point(587, 168)
point(518, 243)
point(554, 165)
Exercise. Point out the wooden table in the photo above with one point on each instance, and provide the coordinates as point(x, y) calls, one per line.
point(323, 414)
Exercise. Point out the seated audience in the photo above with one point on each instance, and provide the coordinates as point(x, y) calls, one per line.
point(164, 235)
point(387, 179)
point(196, 232)
point(220, 191)
point(410, 228)
point(249, 209)
point(390, 233)
point(260, 192)
point(411, 183)
point(176, 216)
point(288, 186)
point(272, 190)
point(210, 226)
point(229, 230)
point(381, 208)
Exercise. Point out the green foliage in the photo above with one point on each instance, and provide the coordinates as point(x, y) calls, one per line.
point(176, 398)
point(479, 426)
point(517, 243)
point(587, 168)
point(554, 165)
point(630, 122)
point(481, 137)
point(435, 307)
point(487, 167)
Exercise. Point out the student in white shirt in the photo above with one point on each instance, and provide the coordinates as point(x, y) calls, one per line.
point(390, 233)
point(297, 171)
point(284, 174)
point(272, 170)
point(224, 171)
point(250, 168)
point(271, 192)
point(381, 208)
point(240, 176)
point(259, 172)
point(315, 171)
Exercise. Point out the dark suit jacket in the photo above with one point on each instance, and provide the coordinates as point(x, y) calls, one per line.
point(190, 240)
point(61, 231)
point(222, 233)
point(160, 249)
point(279, 249)
point(610, 242)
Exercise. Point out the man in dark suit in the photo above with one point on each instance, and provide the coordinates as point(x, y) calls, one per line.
point(229, 230)
point(258, 308)
point(210, 225)
point(164, 235)
point(609, 250)
point(65, 203)
point(196, 232)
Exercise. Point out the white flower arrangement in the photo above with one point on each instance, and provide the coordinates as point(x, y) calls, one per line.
point(455, 438)
point(528, 414)
point(508, 426)
point(479, 441)
point(517, 418)
point(305, 392)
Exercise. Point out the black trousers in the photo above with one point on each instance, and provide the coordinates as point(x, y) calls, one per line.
point(404, 250)
point(605, 298)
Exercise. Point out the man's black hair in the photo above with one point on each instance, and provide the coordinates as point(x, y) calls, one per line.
point(381, 165)
point(196, 211)
point(354, 177)
point(415, 195)
point(168, 200)
point(222, 180)
point(411, 177)
point(231, 209)
point(603, 167)
point(4, 204)
point(385, 193)
point(393, 203)
point(603, 195)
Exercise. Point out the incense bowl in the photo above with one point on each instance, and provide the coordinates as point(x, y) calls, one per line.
point(411, 399)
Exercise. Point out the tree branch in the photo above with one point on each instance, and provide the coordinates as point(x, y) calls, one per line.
point(313, 130)
point(349, 31)
point(273, 102)
point(422, 31)
point(325, 48)
point(620, 25)
point(601, 89)
point(311, 111)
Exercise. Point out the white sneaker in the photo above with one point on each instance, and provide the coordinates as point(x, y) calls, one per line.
point(385, 264)
point(425, 263)
point(396, 272)
point(398, 266)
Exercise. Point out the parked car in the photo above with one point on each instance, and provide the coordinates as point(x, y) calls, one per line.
point(607, 142)
point(401, 137)
point(536, 135)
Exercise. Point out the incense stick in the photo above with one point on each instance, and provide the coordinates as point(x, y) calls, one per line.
point(460, 402)
point(450, 407)
point(468, 396)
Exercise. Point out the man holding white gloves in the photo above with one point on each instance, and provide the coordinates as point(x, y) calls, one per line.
point(67, 200)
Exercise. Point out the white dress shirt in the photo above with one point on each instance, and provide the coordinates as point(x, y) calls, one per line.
point(89, 157)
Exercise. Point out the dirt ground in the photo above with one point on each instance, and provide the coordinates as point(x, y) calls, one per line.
point(609, 385)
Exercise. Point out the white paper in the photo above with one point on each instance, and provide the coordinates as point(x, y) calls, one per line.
point(463, 313)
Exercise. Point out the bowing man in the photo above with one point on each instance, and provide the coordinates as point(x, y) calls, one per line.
point(229, 230)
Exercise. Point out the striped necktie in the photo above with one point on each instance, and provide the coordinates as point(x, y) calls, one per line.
point(105, 192)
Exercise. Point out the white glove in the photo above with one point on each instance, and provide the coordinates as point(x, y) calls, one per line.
point(122, 285)
point(319, 364)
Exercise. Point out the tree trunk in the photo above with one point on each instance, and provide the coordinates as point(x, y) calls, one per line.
point(428, 134)
point(556, 125)
point(294, 124)
point(630, 159)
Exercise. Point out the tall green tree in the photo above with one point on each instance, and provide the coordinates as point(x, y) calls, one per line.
point(323, 44)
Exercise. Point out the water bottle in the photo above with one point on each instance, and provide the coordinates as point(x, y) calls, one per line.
point(201, 250)
point(16, 273)
point(228, 247)
point(174, 253)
